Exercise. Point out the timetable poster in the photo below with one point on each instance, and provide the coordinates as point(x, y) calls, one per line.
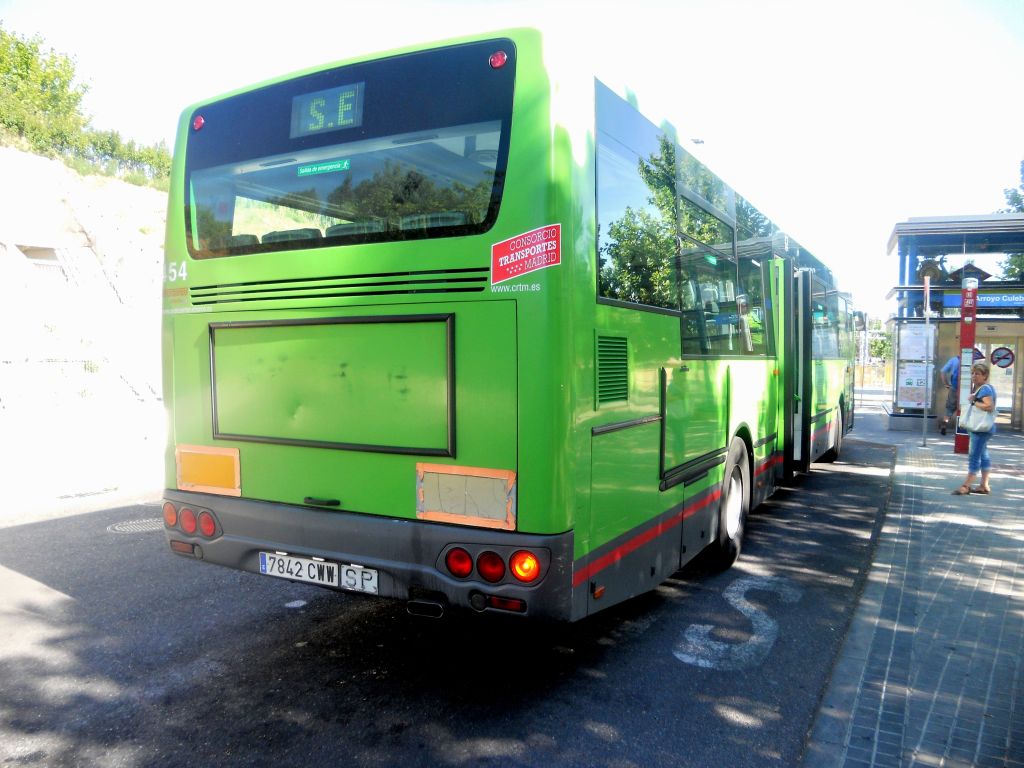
point(913, 384)
point(917, 342)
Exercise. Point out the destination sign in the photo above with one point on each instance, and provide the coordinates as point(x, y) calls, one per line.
point(334, 109)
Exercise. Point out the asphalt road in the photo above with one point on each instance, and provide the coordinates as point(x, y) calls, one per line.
point(114, 652)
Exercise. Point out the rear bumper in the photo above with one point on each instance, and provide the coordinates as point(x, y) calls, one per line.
point(407, 554)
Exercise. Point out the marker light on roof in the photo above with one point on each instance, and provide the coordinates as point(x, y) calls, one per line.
point(498, 59)
point(198, 123)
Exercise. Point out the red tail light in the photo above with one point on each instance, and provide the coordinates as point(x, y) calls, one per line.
point(188, 520)
point(459, 562)
point(207, 525)
point(506, 603)
point(170, 515)
point(491, 567)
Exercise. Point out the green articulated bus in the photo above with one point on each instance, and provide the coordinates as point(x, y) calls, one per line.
point(459, 326)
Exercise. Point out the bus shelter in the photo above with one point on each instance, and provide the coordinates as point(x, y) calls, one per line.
point(927, 330)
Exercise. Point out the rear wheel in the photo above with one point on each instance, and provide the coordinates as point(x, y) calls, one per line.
point(734, 505)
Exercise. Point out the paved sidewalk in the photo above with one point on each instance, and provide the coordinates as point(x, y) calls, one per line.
point(931, 672)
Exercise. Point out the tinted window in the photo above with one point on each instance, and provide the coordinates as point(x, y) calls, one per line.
point(825, 322)
point(407, 147)
point(704, 227)
point(700, 181)
point(754, 323)
point(635, 206)
point(710, 323)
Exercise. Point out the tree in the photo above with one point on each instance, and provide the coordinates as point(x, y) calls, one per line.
point(39, 99)
point(1013, 267)
point(41, 103)
point(881, 346)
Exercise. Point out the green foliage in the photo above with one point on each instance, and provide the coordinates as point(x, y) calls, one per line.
point(41, 105)
point(1013, 266)
point(637, 259)
point(636, 255)
point(38, 98)
point(881, 346)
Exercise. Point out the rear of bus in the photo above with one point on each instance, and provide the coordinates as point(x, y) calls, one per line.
point(358, 364)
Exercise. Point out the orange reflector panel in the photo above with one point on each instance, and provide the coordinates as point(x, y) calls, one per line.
point(209, 470)
point(183, 547)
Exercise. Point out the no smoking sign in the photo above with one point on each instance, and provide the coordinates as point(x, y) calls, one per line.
point(1002, 357)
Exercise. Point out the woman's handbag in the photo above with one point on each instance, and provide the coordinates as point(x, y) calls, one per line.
point(977, 420)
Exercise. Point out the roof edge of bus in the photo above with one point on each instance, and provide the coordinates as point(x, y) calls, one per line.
point(520, 33)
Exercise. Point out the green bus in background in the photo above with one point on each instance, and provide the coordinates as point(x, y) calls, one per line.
point(459, 326)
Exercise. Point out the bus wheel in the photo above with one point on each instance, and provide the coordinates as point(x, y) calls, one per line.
point(833, 453)
point(734, 505)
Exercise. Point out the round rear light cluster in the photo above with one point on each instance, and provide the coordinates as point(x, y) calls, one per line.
point(459, 562)
point(191, 521)
point(524, 566)
point(187, 517)
point(207, 524)
point(492, 567)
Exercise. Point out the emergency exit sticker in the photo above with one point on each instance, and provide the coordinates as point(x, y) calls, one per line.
point(526, 253)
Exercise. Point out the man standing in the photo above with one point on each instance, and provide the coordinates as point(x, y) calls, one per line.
point(950, 375)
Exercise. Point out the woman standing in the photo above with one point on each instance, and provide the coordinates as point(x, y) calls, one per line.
point(984, 399)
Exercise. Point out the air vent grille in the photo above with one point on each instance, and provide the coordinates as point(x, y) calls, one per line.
point(471, 280)
point(612, 369)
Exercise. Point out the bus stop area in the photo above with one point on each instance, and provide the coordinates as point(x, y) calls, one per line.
point(935, 261)
point(931, 671)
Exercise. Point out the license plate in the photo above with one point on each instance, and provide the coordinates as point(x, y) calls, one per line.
point(355, 578)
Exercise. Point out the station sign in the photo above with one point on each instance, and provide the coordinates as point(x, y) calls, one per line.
point(952, 299)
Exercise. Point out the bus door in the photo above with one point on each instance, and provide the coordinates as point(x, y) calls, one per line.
point(800, 370)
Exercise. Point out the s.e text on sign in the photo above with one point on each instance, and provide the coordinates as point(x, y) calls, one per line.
point(526, 253)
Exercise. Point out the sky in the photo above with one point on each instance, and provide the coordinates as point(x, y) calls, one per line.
point(837, 119)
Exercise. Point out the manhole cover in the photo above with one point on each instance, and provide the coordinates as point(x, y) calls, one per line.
point(136, 526)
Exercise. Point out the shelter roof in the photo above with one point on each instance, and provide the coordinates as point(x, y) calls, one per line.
point(941, 235)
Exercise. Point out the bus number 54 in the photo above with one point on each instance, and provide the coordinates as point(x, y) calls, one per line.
point(176, 271)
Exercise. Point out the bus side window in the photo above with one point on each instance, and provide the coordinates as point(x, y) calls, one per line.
point(751, 312)
point(709, 304)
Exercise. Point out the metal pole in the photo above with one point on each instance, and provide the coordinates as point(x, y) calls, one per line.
point(927, 358)
point(968, 313)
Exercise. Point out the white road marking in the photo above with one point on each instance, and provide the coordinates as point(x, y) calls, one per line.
point(699, 649)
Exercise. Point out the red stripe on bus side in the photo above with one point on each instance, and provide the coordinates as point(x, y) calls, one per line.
point(771, 462)
point(640, 539)
point(826, 429)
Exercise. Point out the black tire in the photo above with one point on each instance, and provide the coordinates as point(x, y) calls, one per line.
point(733, 507)
point(833, 453)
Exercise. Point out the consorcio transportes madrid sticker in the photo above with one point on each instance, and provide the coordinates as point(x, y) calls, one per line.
point(525, 253)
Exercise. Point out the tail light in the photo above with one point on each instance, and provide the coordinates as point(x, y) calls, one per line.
point(191, 521)
point(188, 520)
point(525, 566)
point(490, 566)
point(207, 525)
point(459, 562)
